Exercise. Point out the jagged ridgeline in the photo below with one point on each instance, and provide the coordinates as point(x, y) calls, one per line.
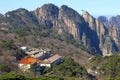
point(65, 24)
point(114, 20)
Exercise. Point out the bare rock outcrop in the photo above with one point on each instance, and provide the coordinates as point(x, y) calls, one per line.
point(85, 29)
point(115, 20)
point(104, 20)
point(108, 37)
point(47, 14)
point(70, 21)
point(82, 29)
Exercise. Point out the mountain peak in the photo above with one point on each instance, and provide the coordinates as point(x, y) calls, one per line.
point(87, 16)
point(64, 7)
point(85, 12)
point(103, 19)
point(47, 14)
point(83, 29)
point(70, 13)
point(49, 6)
point(23, 10)
point(17, 12)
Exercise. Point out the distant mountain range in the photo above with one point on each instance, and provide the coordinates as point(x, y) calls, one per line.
point(69, 25)
point(114, 20)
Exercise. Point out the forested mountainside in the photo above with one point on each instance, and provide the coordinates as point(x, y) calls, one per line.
point(65, 22)
point(74, 36)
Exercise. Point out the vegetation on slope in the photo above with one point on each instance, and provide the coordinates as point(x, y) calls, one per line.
point(68, 70)
point(107, 67)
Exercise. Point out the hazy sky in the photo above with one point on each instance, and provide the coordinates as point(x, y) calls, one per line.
point(94, 7)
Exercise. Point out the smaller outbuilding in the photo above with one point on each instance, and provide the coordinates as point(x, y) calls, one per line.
point(55, 59)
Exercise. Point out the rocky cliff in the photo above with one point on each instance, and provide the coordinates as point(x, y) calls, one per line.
point(0, 14)
point(84, 29)
point(104, 20)
point(71, 21)
point(72, 25)
point(115, 21)
point(18, 18)
point(47, 14)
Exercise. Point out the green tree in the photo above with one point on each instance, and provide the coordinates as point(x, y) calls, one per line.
point(7, 44)
point(12, 76)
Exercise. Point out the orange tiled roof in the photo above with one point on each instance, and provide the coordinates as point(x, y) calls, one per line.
point(28, 60)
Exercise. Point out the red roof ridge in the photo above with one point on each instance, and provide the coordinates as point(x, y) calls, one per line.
point(28, 60)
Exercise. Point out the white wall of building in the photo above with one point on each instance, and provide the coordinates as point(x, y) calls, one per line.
point(24, 67)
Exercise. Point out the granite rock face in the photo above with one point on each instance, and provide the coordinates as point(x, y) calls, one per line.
point(104, 20)
point(71, 22)
point(115, 21)
point(95, 34)
point(19, 17)
point(108, 37)
point(47, 14)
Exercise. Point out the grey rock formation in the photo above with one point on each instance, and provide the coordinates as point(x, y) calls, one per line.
point(19, 17)
point(108, 37)
point(104, 20)
point(71, 22)
point(47, 14)
point(115, 21)
point(83, 29)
